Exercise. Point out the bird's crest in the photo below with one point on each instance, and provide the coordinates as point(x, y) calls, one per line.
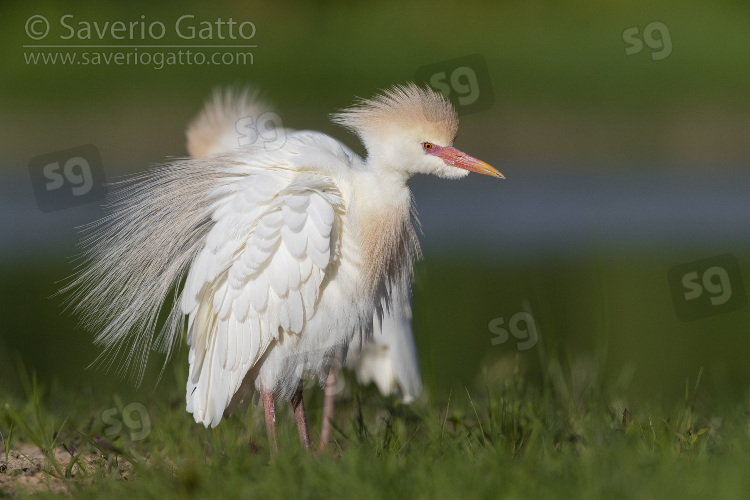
point(401, 107)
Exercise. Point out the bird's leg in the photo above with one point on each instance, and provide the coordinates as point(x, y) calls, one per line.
point(267, 398)
point(328, 402)
point(299, 415)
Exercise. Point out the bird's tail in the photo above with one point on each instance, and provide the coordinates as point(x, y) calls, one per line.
point(136, 257)
point(227, 121)
point(389, 358)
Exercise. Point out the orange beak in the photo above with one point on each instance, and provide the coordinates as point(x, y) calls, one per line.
point(457, 158)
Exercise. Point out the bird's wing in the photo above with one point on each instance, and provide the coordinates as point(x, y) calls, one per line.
point(274, 238)
point(242, 289)
point(134, 258)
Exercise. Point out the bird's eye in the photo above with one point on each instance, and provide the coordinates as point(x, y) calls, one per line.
point(427, 146)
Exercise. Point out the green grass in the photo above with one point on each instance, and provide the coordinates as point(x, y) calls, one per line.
point(501, 437)
point(493, 422)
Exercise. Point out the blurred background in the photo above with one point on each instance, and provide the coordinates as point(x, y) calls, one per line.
point(617, 246)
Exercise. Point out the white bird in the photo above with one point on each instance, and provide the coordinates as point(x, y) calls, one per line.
point(232, 118)
point(283, 254)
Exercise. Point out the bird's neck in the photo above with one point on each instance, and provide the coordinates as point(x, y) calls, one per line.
point(387, 238)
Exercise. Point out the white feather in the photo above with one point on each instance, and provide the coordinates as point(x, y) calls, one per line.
point(271, 245)
point(389, 359)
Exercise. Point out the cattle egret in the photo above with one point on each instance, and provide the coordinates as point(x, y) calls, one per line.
point(278, 256)
point(389, 358)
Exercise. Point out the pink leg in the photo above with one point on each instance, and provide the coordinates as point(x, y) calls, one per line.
point(328, 402)
point(267, 398)
point(299, 416)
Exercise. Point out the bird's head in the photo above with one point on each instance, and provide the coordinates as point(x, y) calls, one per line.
point(408, 129)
